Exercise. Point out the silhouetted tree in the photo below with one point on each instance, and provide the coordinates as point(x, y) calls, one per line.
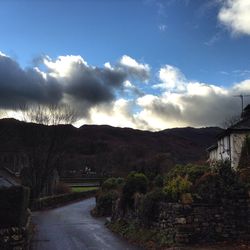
point(230, 121)
point(44, 143)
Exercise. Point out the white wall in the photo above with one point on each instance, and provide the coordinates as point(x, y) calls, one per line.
point(229, 148)
point(224, 148)
point(237, 141)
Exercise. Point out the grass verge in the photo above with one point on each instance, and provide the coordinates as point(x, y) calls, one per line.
point(147, 238)
point(83, 189)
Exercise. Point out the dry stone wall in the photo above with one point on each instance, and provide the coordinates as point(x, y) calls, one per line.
point(187, 224)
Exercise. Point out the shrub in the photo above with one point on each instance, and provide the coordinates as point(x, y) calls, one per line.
point(120, 182)
point(104, 202)
point(150, 205)
point(159, 181)
point(193, 172)
point(176, 187)
point(223, 182)
point(62, 188)
point(109, 184)
point(209, 188)
point(135, 182)
point(112, 183)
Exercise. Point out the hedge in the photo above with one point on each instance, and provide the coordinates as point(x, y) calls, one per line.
point(53, 201)
point(14, 202)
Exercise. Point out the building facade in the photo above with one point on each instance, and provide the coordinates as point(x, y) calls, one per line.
point(230, 142)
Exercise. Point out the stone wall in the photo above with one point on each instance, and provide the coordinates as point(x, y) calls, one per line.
point(14, 218)
point(16, 238)
point(187, 224)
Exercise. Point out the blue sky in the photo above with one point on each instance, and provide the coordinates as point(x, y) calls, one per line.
point(197, 41)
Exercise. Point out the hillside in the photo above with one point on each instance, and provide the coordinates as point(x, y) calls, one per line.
point(111, 150)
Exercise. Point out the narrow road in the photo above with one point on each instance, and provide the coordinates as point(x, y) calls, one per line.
point(73, 228)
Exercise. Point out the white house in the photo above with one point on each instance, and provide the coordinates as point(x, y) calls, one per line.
point(230, 141)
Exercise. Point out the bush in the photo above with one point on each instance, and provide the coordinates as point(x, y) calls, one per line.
point(112, 183)
point(226, 172)
point(109, 184)
point(209, 188)
point(176, 187)
point(223, 182)
point(150, 205)
point(193, 172)
point(135, 182)
point(62, 188)
point(104, 202)
point(120, 181)
point(159, 181)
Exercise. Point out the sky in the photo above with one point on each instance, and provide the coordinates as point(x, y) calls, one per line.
point(145, 64)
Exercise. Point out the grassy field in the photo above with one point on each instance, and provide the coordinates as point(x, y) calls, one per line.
point(82, 189)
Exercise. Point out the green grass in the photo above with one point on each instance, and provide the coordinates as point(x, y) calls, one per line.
point(148, 238)
point(82, 189)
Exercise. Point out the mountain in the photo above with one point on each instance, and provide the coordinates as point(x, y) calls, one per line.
point(111, 150)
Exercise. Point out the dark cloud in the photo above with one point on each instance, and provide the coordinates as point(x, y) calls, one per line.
point(68, 76)
point(209, 110)
point(18, 86)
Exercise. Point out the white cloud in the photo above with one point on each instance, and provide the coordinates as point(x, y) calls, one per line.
point(64, 65)
point(198, 104)
point(242, 87)
point(109, 94)
point(117, 113)
point(135, 68)
point(2, 54)
point(235, 14)
point(171, 78)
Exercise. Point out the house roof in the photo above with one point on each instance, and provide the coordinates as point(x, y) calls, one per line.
point(241, 126)
point(6, 180)
point(211, 148)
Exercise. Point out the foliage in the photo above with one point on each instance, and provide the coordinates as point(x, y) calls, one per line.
point(135, 182)
point(120, 181)
point(150, 205)
point(176, 187)
point(159, 181)
point(193, 172)
point(244, 161)
point(112, 183)
point(62, 188)
point(226, 172)
point(148, 238)
point(109, 184)
point(224, 182)
point(104, 202)
point(208, 188)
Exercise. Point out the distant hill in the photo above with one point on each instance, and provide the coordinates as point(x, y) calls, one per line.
point(114, 150)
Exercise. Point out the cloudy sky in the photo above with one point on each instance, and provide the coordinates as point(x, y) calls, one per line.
point(146, 64)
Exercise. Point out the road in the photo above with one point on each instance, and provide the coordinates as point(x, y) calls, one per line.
point(73, 228)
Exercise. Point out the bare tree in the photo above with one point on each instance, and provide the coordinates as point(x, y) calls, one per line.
point(44, 145)
point(53, 114)
point(230, 121)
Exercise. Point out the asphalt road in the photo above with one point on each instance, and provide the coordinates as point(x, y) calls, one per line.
point(73, 228)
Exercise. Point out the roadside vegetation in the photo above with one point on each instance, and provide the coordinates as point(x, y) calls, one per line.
point(82, 189)
point(139, 196)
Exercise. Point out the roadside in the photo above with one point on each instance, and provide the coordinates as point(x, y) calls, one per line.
point(72, 227)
